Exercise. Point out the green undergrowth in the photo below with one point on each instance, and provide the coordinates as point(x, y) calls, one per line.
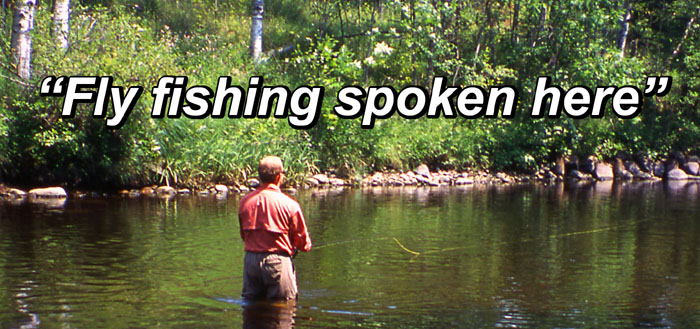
point(336, 44)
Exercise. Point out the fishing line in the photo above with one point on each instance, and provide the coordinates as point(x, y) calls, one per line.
point(331, 244)
point(406, 249)
point(552, 236)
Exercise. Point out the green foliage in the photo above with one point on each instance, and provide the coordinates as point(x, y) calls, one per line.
point(336, 44)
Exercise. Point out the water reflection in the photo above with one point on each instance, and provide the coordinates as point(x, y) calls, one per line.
point(608, 254)
point(269, 315)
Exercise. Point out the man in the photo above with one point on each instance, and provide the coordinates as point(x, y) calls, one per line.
point(273, 229)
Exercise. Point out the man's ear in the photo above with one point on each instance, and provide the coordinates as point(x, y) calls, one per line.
point(278, 180)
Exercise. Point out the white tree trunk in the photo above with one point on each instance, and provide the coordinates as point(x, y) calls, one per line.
point(21, 43)
point(61, 18)
point(624, 28)
point(256, 30)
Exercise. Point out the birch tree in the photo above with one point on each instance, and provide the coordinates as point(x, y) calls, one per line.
point(21, 41)
point(256, 30)
point(624, 29)
point(61, 18)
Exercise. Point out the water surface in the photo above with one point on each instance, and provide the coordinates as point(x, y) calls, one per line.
point(578, 256)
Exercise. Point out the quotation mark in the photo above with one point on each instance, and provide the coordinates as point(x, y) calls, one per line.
point(51, 86)
point(658, 85)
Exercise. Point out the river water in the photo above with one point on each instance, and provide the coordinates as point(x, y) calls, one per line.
point(599, 255)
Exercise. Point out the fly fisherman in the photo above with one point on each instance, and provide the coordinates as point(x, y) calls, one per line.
point(273, 229)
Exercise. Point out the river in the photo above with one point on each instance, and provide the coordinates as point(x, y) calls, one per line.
point(603, 255)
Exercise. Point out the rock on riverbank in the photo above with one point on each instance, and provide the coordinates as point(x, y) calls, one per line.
point(677, 167)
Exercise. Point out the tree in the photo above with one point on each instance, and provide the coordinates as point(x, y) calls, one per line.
point(256, 30)
point(21, 42)
point(624, 29)
point(61, 27)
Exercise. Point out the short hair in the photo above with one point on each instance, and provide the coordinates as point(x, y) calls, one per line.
point(268, 169)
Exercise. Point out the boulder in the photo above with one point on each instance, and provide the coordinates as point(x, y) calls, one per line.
point(676, 174)
point(671, 164)
point(464, 181)
point(422, 180)
point(637, 172)
point(659, 169)
point(134, 193)
point(645, 164)
point(336, 182)
point(603, 171)
point(16, 193)
point(620, 171)
point(254, 183)
point(633, 167)
point(311, 182)
point(322, 179)
point(221, 189)
point(166, 190)
point(504, 178)
point(423, 170)
point(147, 190)
point(691, 168)
point(48, 192)
point(184, 191)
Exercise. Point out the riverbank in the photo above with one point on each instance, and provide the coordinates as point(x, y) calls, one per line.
point(677, 167)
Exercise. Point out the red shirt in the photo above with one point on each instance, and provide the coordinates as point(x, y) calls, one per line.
point(271, 221)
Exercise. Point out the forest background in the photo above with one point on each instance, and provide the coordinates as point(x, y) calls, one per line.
point(333, 44)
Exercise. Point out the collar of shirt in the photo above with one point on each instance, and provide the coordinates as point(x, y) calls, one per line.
point(270, 186)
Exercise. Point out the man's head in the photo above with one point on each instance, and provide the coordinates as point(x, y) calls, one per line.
point(269, 169)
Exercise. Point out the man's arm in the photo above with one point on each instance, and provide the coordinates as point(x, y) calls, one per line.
point(298, 233)
point(240, 226)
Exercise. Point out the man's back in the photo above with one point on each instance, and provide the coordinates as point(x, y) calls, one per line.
point(271, 221)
